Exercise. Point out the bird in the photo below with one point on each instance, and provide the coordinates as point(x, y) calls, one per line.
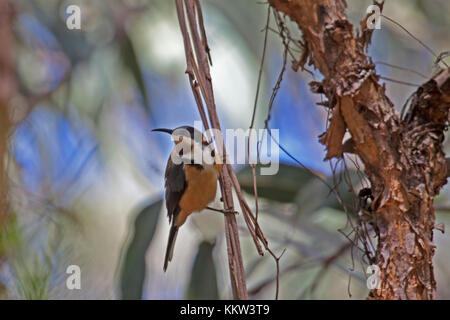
point(189, 185)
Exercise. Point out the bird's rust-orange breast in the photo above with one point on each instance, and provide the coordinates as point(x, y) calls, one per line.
point(200, 191)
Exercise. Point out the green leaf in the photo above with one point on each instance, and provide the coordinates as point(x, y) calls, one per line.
point(133, 266)
point(203, 283)
point(131, 61)
point(33, 278)
point(10, 236)
point(282, 187)
point(293, 184)
point(312, 196)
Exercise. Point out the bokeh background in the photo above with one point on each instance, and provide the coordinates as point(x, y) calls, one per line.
point(86, 172)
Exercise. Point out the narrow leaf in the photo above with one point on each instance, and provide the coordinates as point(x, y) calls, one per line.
point(131, 61)
point(133, 266)
point(203, 283)
point(282, 187)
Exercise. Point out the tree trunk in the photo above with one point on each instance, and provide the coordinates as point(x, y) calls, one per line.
point(402, 156)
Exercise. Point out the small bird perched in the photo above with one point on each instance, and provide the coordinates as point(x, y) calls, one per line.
point(190, 179)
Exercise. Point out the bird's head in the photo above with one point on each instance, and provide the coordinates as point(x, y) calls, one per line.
point(185, 133)
point(188, 141)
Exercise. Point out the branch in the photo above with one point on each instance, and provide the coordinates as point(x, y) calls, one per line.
point(403, 157)
point(199, 77)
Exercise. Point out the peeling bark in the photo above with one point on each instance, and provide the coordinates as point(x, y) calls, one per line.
point(403, 158)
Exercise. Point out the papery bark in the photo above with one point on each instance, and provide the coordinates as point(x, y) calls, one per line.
point(403, 157)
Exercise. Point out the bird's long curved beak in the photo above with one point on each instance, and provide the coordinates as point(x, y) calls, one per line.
point(169, 131)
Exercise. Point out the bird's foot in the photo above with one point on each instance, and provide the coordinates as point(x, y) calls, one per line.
point(224, 211)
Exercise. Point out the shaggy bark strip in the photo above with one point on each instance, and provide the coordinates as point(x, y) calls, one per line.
point(403, 158)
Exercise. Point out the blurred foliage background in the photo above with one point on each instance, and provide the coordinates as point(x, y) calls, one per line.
point(86, 173)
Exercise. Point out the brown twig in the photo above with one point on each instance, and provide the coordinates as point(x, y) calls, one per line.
point(199, 77)
point(400, 82)
point(258, 86)
point(415, 38)
point(327, 262)
point(202, 29)
point(402, 68)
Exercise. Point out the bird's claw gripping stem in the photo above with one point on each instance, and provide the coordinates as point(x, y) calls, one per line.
point(224, 211)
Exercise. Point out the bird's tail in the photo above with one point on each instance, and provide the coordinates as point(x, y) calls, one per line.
point(170, 245)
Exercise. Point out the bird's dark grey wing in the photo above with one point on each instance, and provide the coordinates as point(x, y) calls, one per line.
point(175, 185)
